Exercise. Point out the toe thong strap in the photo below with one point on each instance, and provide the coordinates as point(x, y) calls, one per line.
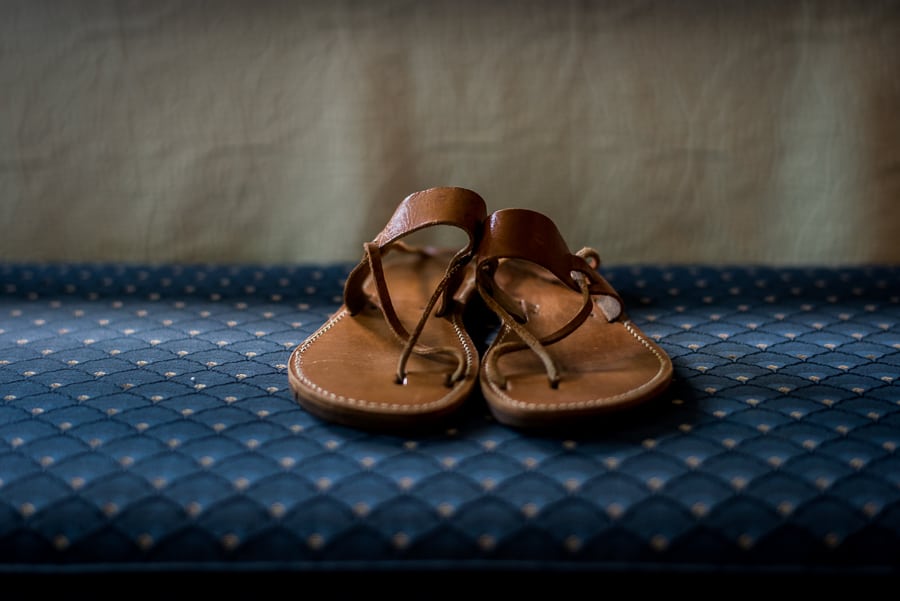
point(531, 236)
point(451, 206)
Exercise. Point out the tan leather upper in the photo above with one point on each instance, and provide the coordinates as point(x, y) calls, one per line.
point(397, 353)
point(565, 349)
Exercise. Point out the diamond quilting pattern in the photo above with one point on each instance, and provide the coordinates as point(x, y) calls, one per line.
point(145, 417)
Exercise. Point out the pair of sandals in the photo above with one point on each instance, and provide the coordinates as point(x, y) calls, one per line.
point(398, 352)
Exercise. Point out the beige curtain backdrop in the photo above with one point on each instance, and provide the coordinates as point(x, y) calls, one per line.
point(686, 131)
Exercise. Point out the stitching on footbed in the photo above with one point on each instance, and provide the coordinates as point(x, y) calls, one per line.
point(353, 402)
point(631, 329)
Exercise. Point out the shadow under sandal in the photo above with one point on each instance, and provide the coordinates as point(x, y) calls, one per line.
point(565, 350)
point(396, 353)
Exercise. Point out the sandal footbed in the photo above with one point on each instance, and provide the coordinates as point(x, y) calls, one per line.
point(604, 365)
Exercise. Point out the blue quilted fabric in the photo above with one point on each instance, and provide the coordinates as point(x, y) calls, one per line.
point(146, 420)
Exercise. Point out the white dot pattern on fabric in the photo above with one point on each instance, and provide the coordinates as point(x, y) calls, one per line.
point(148, 399)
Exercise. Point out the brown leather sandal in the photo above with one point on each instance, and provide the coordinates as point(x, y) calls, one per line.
point(396, 353)
point(565, 350)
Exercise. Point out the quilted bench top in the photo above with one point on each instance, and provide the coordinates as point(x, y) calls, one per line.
point(146, 419)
